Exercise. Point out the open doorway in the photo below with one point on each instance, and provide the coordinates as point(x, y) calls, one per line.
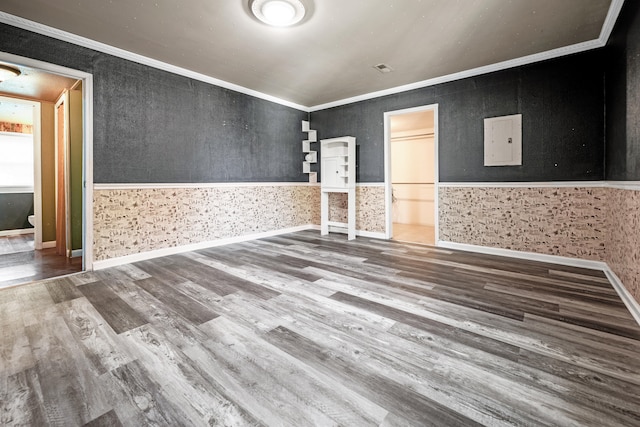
point(411, 174)
point(41, 85)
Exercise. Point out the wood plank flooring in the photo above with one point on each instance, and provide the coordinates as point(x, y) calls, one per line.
point(13, 244)
point(414, 233)
point(303, 330)
point(20, 263)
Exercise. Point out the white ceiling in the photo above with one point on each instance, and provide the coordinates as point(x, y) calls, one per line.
point(15, 112)
point(30, 84)
point(331, 54)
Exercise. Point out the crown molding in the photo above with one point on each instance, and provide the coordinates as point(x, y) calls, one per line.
point(610, 21)
point(474, 72)
point(55, 33)
point(601, 41)
point(605, 33)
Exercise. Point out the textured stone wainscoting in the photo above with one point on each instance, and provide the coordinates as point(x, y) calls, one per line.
point(568, 222)
point(139, 220)
point(369, 208)
point(623, 237)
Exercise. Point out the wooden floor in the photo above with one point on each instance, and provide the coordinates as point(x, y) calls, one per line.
point(301, 330)
point(20, 263)
point(414, 233)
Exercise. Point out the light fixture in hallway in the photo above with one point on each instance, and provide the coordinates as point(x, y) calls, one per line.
point(8, 72)
point(278, 13)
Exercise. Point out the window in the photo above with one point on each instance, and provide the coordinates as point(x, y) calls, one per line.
point(16, 162)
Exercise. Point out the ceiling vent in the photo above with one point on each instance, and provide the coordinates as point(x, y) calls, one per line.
point(383, 68)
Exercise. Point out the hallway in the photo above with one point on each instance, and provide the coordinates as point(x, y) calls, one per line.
point(19, 263)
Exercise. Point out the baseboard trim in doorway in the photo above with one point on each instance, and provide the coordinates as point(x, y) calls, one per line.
point(143, 256)
point(629, 301)
point(17, 232)
point(48, 245)
point(76, 253)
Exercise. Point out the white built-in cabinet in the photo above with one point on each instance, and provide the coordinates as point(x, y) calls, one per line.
point(338, 175)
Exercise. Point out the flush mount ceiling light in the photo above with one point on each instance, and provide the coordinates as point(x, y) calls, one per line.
point(278, 13)
point(7, 72)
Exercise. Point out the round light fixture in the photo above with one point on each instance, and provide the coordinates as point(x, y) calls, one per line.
point(7, 72)
point(278, 13)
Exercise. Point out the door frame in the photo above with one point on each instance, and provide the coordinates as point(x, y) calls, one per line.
point(388, 203)
point(63, 101)
point(87, 142)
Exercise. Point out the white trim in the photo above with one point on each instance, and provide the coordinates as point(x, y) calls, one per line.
point(601, 41)
point(87, 172)
point(55, 33)
point(37, 175)
point(87, 148)
point(624, 185)
point(63, 101)
point(610, 21)
point(607, 28)
point(632, 305)
point(531, 256)
point(75, 253)
point(512, 63)
point(128, 259)
point(17, 190)
point(550, 184)
point(388, 203)
point(49, 245)
point(136, 186)
point(621, 185)
point(16, 232)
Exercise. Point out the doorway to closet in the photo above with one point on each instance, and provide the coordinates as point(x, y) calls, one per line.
point(411, 174)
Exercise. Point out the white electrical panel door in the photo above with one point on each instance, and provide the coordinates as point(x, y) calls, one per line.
point(503, 141)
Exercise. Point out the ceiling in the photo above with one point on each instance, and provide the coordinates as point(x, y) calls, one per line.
point(35, 84)
point(330, 55)
point(15, 112)
point(30, 84)
point(421, 120)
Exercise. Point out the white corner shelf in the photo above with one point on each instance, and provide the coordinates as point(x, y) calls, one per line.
point(311, 156)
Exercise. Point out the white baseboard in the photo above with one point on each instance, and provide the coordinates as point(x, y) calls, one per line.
point(361, 233)
point(77, 253)
point(128, 259)
point(49, 245)
point(553, 259)
point(17, 232)
point(627, 298)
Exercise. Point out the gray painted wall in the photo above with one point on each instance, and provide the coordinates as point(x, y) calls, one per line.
point(562, 103)
point(623, 97)
point(154, 126)
point(14, 210)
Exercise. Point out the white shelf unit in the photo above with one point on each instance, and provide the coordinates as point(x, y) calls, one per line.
point(338, 173)
point(311, 156)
